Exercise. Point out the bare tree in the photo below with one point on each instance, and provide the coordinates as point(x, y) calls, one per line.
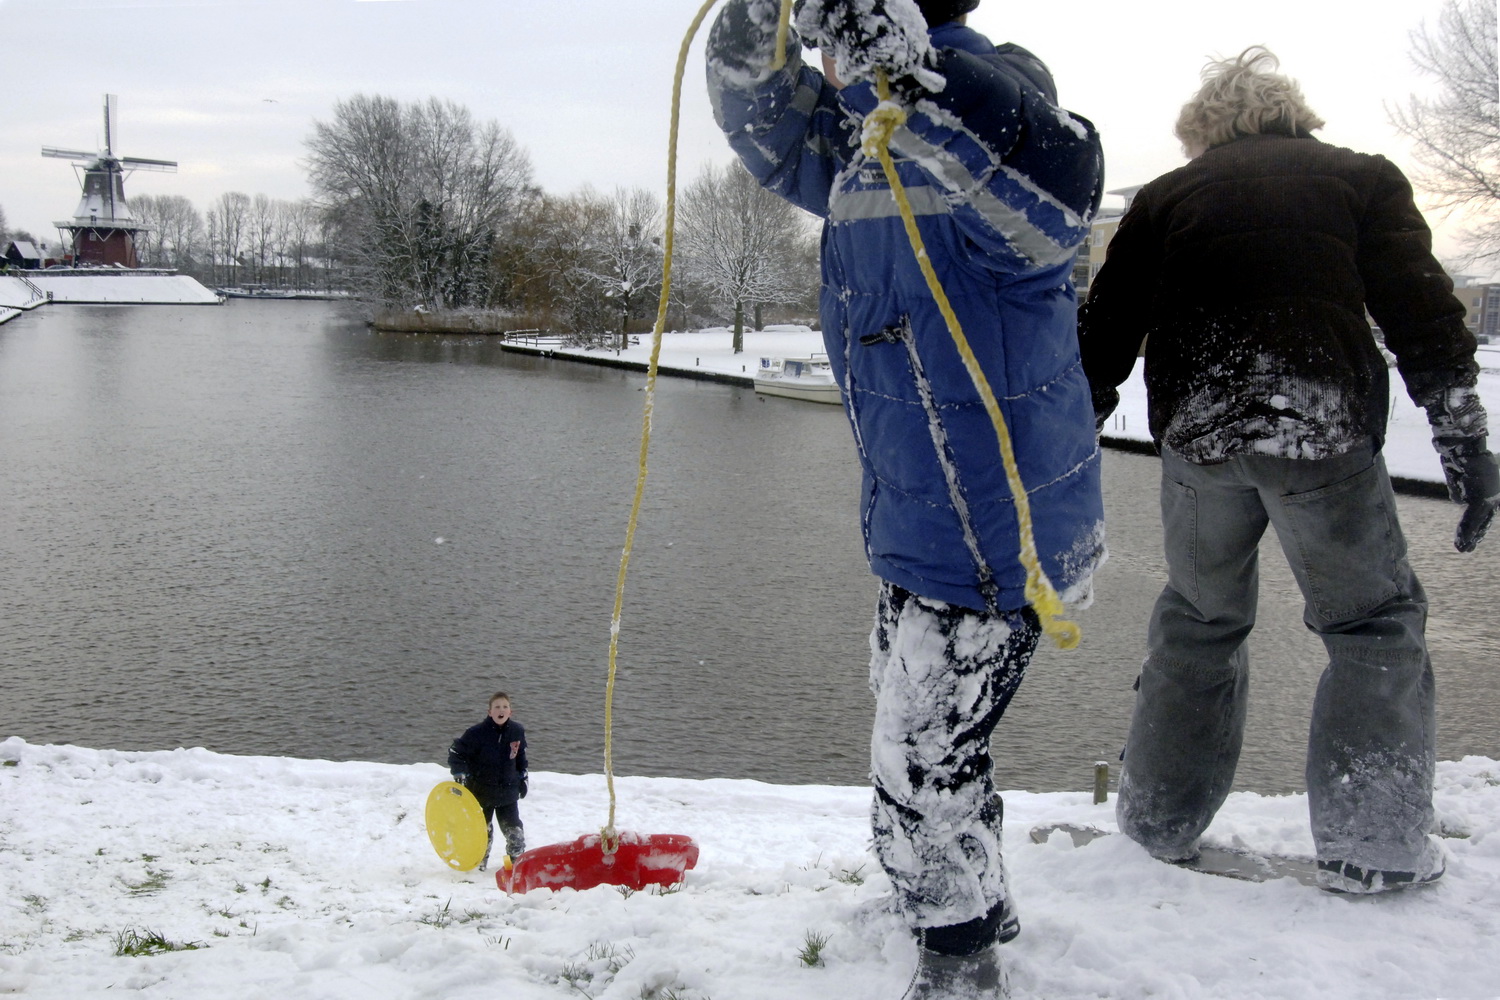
point(226, 234)
point(542, 268)
point(174, 237)
point(325, 236)
point(1456, 134)
point(420, 194)
point(295, 227)
point(260, 236)
point(622, 256)
point(7, 234)
point(742, 241)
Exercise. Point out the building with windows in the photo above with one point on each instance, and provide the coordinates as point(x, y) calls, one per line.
point(1091, 254)
point(1482, 301)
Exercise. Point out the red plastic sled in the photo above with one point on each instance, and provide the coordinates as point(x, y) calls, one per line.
point(641, 860)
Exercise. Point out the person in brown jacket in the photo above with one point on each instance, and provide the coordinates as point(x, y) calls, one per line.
point(1247, 274)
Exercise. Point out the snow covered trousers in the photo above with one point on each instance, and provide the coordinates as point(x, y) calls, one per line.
point(511, 828)
point(942, 677)
point(1370, 754)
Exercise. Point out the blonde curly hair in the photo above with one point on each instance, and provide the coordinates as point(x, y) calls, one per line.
point(1243, 96)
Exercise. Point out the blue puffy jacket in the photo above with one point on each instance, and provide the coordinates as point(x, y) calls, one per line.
point(1004, 184)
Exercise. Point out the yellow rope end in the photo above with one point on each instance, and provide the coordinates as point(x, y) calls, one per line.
point(1064, 634)
point(1049, 607)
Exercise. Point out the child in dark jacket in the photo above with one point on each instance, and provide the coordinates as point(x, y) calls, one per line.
point(490, 760)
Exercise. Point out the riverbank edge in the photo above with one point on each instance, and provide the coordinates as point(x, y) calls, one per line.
point(1402, 484)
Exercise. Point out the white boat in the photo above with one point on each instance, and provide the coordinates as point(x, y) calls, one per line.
point(798, 378)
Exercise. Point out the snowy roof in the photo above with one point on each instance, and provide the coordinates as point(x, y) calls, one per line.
point(23, 249)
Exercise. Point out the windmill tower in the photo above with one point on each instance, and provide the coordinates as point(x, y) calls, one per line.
point(102, 230)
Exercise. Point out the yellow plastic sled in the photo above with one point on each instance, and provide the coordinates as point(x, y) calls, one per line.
point(456, 827)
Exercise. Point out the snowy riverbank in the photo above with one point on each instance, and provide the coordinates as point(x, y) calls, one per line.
point(103, 288)
point(17, 296)
point(1408, 449)
point(303, 879)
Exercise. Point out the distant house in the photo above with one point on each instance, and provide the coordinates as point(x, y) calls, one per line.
point(24, 255)
point(1482, 302)
point(1091, 254)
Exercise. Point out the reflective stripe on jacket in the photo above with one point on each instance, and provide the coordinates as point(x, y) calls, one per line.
point(1004, 184)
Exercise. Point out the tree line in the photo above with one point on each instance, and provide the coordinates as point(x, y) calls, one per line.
point(428, 209)
point(419, 208)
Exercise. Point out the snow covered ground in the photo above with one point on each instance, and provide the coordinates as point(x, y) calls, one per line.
point(127, 288)
point(16, 296)
point(313, 880)
point(1408, 449)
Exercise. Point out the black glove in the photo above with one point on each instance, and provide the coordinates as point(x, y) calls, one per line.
point(1473, 480)
point(1105, 399)
point(863, 36)
point(742, 41)
point(523, 786)
point(1458, 433)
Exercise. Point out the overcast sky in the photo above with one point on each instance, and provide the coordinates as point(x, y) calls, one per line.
point(230, 88)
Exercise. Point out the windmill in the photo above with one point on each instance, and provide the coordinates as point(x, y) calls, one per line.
point(102, 230)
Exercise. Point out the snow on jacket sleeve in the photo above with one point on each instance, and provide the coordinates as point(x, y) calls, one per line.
point(1023, 176)
point(788, 131)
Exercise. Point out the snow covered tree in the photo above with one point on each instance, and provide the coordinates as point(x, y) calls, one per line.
point(743, 241)
point(621, 254)
point(420, 194)
point(1456, 134)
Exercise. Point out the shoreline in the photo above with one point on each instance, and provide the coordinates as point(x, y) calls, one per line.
point(1402, 484)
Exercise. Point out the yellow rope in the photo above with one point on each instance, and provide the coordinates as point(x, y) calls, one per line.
point(879, 126)
point(884, 121)
point(608, 836)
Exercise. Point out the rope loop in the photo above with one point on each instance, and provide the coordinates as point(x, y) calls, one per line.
point(880, 125)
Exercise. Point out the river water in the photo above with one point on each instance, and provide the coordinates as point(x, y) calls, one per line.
point(262, 529)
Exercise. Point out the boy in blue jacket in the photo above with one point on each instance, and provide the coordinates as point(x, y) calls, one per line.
point(490, 760)
point(1004, 184)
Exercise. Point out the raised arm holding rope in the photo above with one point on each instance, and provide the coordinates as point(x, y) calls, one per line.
point(971, 415)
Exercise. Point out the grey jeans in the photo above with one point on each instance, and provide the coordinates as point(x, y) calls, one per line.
point(1370, 753)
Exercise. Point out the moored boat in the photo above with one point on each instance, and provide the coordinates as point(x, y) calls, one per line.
point(809, 378)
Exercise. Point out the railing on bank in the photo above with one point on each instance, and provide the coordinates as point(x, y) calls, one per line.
point(36, 293)
point(532, 338)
